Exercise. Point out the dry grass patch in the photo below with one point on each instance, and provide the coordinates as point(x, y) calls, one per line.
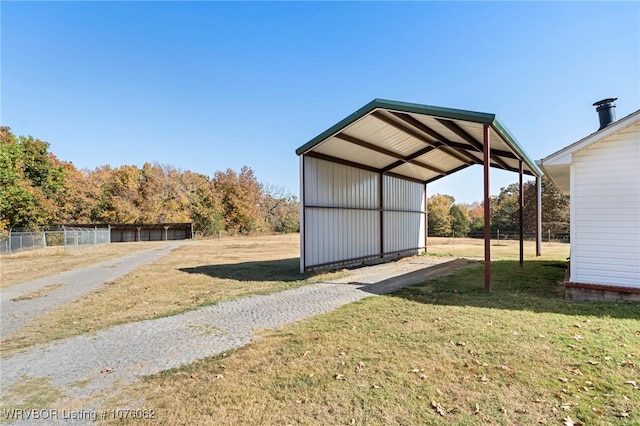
point(440, 353)
point(40, 293)
point(197, 274)
point(473, 248)
point(30, 265)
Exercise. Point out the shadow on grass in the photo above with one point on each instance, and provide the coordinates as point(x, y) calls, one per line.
point(538, 287)
point(286, 270)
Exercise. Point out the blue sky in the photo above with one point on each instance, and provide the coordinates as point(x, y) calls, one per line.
point(206, 86)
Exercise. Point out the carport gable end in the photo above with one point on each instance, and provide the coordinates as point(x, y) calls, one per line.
point(363, 182)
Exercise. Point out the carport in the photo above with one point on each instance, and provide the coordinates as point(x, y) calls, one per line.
point(363, 182)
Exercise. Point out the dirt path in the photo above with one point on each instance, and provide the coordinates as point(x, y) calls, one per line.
point(21, 303)
point(123, 354)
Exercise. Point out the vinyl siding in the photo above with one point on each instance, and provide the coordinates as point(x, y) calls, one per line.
point(605, 203)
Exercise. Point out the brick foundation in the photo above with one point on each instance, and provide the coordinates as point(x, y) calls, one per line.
point(600, 293)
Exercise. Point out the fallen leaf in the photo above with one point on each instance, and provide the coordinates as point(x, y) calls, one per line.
point(622, 414)
point(607, 358)
point(631, 382)
point(415, 370)
point(593, 362)
point(574, 371)
point(340, 377)
point(577, 337)
point(423, 377)
point(438, 408)
point(477, 409)
point(483, 378)
point(521, 410)
point(219, 376)
point(598, 412)
point(569, 422)
point(563, 379)
point(375, 387)
point(107, 370)
point(577, 325)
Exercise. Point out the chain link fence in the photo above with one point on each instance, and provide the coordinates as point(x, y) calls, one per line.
point(64, 236)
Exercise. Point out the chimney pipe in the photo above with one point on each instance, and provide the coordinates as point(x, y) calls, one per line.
point(606, 111)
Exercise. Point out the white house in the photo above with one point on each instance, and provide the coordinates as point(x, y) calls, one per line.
point(601, 175)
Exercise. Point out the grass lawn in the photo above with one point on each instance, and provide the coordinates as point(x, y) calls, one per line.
point(442, 352)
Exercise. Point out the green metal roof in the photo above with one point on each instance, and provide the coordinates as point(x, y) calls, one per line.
point(389, 133)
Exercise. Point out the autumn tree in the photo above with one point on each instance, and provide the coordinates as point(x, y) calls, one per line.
point(241, 195)
point(460, 221)
point(30, 176)
point(439, 214)
point(280, 209)
point(205, 205)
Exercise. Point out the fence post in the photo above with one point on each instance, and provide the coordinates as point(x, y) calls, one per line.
point(44, 239)
point(10, 242)
point(64, 237)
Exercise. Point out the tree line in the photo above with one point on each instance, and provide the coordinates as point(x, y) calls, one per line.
point(446, 218)
point(37, 190)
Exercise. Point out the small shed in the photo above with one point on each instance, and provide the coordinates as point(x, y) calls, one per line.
point(128, 232)
point(601, 175)
point(363, 182)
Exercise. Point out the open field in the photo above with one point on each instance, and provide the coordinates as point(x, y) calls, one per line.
point(473, 248)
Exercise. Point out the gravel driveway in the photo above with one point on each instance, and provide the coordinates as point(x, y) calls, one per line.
point(124, 354)
point(68, 286)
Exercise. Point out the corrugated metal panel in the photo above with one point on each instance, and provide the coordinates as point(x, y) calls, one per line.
point(411, 170)
point(339, 227)
point(403, 230)
point(440, 159)
point(605, 193)
point(381, 134)
point(337, 235)
point(354, 153)
point(176, 234)
point(335, 185)
point(400, 194)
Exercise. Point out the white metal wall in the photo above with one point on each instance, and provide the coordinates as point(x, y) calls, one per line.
point(404, 215)
point(605, 211)
point(341, 212)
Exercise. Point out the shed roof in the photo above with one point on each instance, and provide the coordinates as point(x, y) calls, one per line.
point(557, 165)
point(418, 142)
